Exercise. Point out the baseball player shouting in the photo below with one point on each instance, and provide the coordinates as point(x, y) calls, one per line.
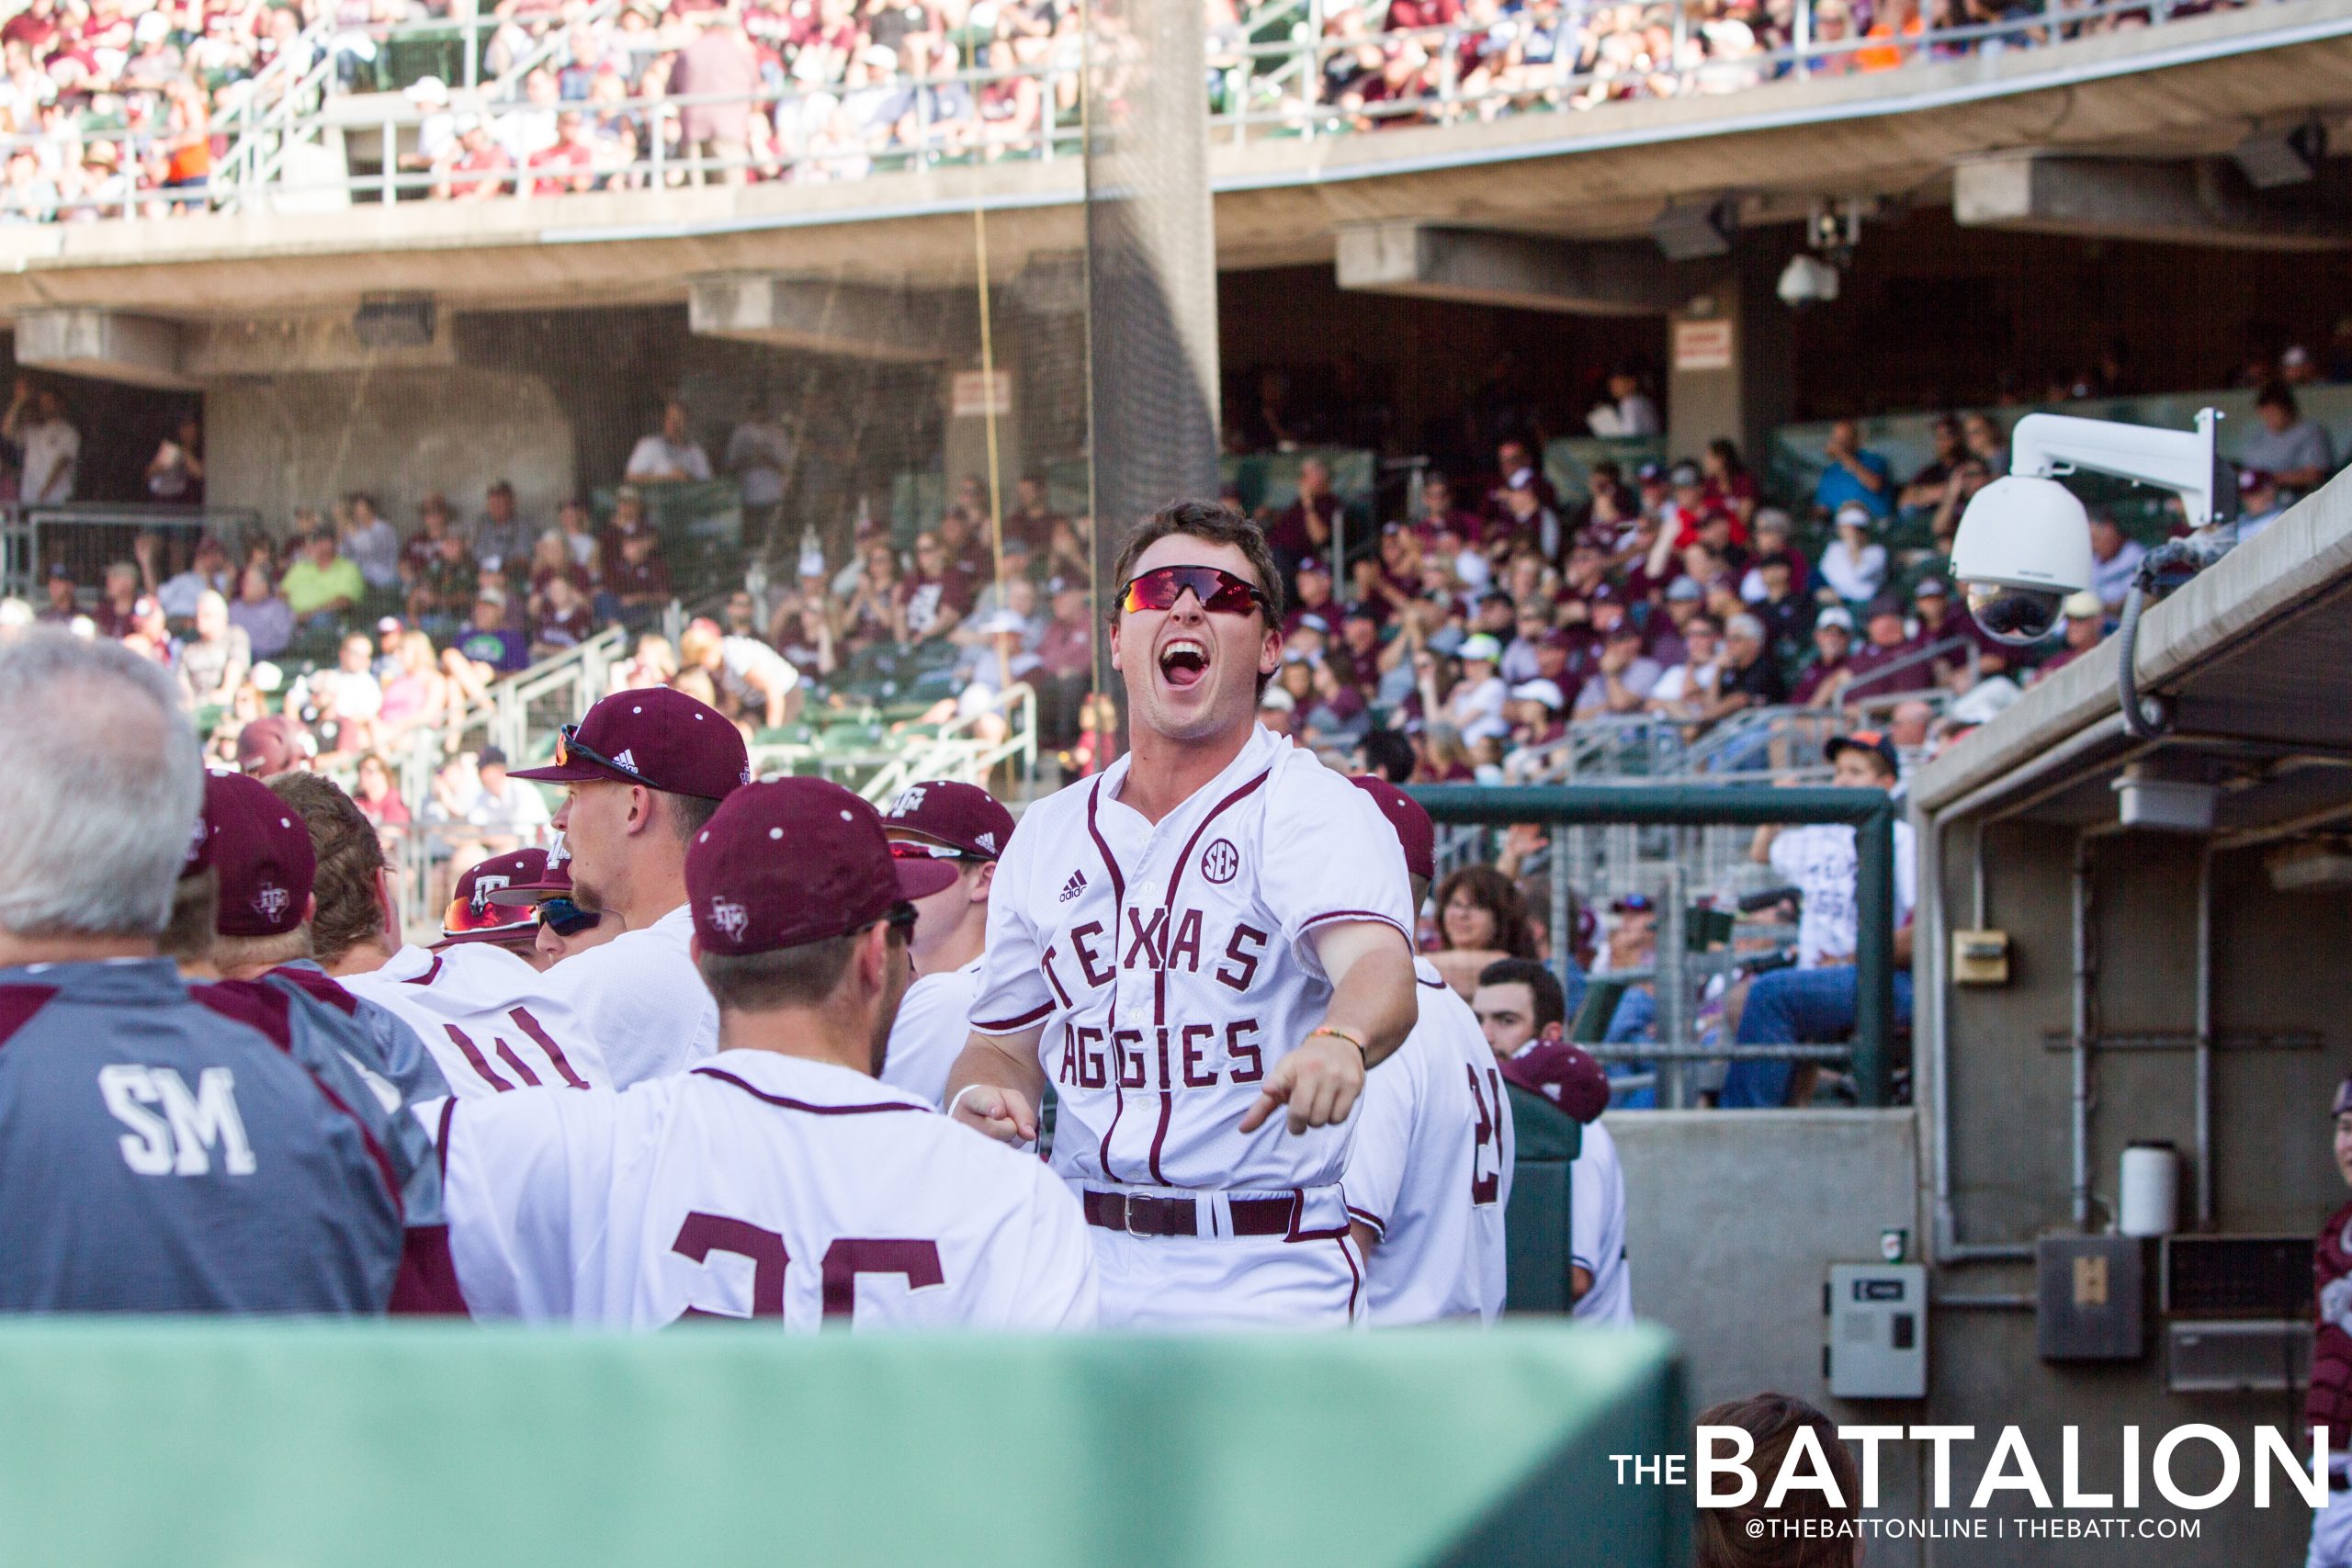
point(776, 1180)
point(641, 774)
point(1205, 947)
point(470, 1003)
point(960, 830)
point(1428, 1173)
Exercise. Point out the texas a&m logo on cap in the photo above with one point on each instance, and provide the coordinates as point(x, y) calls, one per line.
point(486, 885)
point(731, 916)
point(271, 902)
point(910, 801)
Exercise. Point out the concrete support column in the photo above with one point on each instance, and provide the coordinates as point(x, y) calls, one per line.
point(1728, 364)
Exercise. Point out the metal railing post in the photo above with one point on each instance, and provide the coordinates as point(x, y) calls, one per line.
point(1874, 955)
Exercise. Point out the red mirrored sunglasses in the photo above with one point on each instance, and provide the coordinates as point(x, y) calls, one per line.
point(465, 916)
point(1219, 593)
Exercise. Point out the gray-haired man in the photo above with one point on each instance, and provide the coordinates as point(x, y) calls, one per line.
point(154, 1157)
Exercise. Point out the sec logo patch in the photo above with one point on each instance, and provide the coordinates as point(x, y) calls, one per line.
point(1220, 861)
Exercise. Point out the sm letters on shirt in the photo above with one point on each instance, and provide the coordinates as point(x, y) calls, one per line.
point(175, 1130)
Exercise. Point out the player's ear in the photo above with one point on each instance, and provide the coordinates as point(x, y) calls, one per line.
point(694, 948)
point(984, 882)
point(1270, 652)
point(640, 809)
point(309, 908)
point(1114, 643)
point(1553, 1033)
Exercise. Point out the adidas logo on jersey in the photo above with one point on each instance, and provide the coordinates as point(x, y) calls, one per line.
point(1074, 887)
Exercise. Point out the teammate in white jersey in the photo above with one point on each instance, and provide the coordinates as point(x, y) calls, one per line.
point(776, 1180)
point(475, 1009)
point(642, 772)
point(1522, 1009)
point(1428, 1173)
point(960, 830)
point(564, 928)
point(476, 913)
point(1205, 947)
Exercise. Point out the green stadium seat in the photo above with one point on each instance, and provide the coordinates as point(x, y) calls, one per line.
point(1601, 996)
point(1536, 1220)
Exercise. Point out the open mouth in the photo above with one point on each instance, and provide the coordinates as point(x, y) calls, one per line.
point(1184, 663)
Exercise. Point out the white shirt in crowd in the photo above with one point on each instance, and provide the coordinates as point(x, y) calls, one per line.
point(757, 1185)
point(657, 455)
point(1431, 1168)
point(1823, 864)
point(1682, 684)
point(475, 1007)
point(52, 453)
point(1477, 711)
point(2111, 579)
point(740, 656)
point(933, 1022)
point(1597, 1229)
point(1856, 575)
point(641, 999)
point(760, 453)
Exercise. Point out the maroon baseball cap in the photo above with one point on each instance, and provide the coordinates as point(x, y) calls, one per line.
point(553, 880)
point(1568, 1076)
point(791, 861)
point(655, 737)
point(1415, 832)
point(268, 746)
point(261, 848)
point(474, 916)
point(962, 816)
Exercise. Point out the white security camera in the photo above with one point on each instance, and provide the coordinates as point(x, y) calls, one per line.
point(2024, 541)
point(1807, 280)
point(2024, 544)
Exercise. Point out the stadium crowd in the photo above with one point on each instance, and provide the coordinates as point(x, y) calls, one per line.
point(126, 108)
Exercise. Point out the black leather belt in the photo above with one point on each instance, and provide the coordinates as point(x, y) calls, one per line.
point(1142, 1213)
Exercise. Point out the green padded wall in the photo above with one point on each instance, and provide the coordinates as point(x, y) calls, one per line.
point(447, 1445)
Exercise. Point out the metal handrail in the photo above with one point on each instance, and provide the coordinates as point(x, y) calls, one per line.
point(1555, 87)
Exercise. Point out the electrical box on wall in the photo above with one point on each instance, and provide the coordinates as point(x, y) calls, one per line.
point(2087, 1306)
point(1980, 958)
point(1878, 1331)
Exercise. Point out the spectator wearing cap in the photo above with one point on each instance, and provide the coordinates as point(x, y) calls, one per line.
point(1814, 1003)
point(492, 640)
point(1522, 1014)
point(670, 455)
point(63, 595)
point(266, 1197)
point(802, 950)
point(2259, 503)
point(945, 838)
point(1853, 475)
point(1944, 619)
point(1686, 601)
point(1889, 662)
point(1622, 676)
point(1538, 713)
point(2115, 560)
point(149, 635)
point(2085, 628)
point(642, 773)
point(1853, 565)
point(2294, 450)
point(1474, 706)
point(1313, 576)
point(273, 745)
point(1824, 677)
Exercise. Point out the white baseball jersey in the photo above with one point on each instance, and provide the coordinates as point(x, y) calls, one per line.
point(933, 1024)
point(1429, 1169)
point(756, 1185)
point(479, 1010)
point(1597, 1228)
point(1171, 964)
point(640, 998)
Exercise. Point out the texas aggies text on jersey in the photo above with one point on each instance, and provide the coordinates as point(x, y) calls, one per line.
point(756, 1185)
point(479, 1010)
point(1171, 967)
point(1429, 1171)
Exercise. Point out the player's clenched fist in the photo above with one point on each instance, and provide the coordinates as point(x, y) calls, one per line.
point(1319, 1082)
point(1003, 1113)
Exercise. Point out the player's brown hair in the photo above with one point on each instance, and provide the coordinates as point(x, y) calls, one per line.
point(1210, 520)
point(196, 910)
point(1721, 1536)
point(790, 977)
point(349, 856)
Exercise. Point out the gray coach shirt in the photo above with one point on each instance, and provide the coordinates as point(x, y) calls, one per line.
point(157, 1156)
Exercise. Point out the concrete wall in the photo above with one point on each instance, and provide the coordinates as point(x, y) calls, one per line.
point(301, 441)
